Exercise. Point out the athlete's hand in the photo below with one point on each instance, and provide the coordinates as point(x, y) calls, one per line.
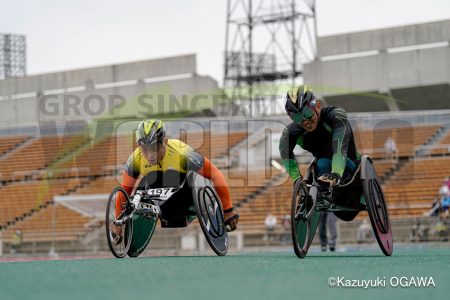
point(332, 179)
point(231, 219)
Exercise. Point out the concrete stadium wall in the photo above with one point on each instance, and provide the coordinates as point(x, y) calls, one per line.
point(382, 39)
point(136, 89)
point(397, 58)
point(105, 74)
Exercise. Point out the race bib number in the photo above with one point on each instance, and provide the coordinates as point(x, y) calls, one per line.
point(162, 193)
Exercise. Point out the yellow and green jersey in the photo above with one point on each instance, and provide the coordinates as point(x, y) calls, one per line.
point(170, 171)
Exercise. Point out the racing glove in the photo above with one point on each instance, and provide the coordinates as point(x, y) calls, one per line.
point(332, 179)
point(231, 219)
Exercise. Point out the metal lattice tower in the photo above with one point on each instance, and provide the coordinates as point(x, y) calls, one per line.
point(266, 43)
point(12, 56)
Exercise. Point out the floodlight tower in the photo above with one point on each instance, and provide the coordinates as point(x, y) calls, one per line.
point(12, 56)
point(267, 42)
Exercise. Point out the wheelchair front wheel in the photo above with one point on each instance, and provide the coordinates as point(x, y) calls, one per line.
point(304, 217)
point(119, 234)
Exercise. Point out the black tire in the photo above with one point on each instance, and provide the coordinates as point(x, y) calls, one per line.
point(304, 217)
point(376, 207)
point(120, 249)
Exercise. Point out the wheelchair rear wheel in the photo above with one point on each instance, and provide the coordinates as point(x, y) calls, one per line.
point(210, 215)
point(376, 207)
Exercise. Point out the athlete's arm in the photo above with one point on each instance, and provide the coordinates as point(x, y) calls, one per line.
point(203, 166)
point(129, 177)
point(340, 139)
point(287, 144)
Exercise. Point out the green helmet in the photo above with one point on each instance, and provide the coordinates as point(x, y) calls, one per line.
point(300, 103)
point(151, 132)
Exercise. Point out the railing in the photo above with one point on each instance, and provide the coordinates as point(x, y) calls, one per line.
point(430, 230)
point(191, 239)
point(428, 150)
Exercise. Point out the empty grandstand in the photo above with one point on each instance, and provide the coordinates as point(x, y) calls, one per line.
point(62, 150)
point(76, 166)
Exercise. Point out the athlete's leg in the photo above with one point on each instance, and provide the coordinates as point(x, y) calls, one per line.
point(323, 230)
point(323, 166)
point(350, 168)
point(331, 224)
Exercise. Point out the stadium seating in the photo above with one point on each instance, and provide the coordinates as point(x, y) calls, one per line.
point(37, 155)
point(411, 191)
point(55, 222)
point(60, 156)
point(101, 185)
point(412, 199)
point(76, 166)
point(102, 156)
point(371, 141)
point(443, 146)
point(213, 145)
point(242, 183)
point(384, 166)
point(8, 143)
point(276, 200)
point(111, 153)
point(21, 199)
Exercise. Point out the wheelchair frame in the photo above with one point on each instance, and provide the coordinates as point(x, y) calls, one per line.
point(141, 212)
point(362, 192)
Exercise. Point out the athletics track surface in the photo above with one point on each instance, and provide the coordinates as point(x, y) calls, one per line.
point(275, 275)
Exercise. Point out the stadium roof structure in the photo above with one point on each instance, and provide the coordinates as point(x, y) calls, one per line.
point(133, 90)
point(93, 206)
point(391, 69)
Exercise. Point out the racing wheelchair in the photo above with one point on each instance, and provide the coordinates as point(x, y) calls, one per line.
point(361, 192)
point(175, 207)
